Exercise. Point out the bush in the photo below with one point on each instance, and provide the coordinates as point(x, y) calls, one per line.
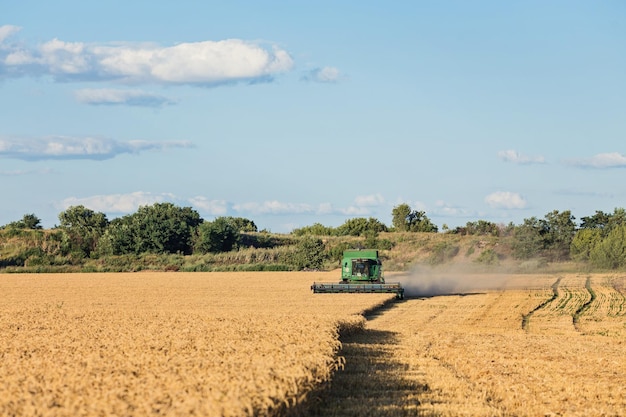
point(583, 243)
point(216, 236)
point(488, 257)
point(308, 254)
point(443, 252)
point(610, 253)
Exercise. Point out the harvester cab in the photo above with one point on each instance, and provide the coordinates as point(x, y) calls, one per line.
point(361, 272)
point(361, 266)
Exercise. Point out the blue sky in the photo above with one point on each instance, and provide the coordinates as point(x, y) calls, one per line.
point(295, 113)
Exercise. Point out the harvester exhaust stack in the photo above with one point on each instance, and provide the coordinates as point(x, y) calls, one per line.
point(361, 272)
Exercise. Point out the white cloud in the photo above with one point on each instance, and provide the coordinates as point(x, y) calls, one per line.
point(211, 207)
point(355, 211)
point(602, 160)
point(372, 200)
point(444, 209)
point(105, 96)
point(200, 63)
point(117, 203)
point(64, 147)
point(518, 158)
point(273, 207)
point(278, 207)
point(362, 205)
point(325, 208)
point(8, 30)
point(506, 200)
point(323, 75)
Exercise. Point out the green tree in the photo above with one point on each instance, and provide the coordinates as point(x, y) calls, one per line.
point(359, 226)
point(118, 238)
point(611, 251)
point(482, 228)
point(527, 239)
point(242, 224)
point(406, 220)
point(599, 221)
point(159, 228)
point(421, 223)
point(308, 254)
point(400, 217)
point(559, 231)
point(583, 243)
point(220, 235)
point(550, 237)
point(604, 222)
point(29, 221)
point(83, 227)
point(618, 218)
point(316, 229)
point(164, 228)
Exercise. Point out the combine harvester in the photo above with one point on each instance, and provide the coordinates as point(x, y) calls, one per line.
point(361, 272)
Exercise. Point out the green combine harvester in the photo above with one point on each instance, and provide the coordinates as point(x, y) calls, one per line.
point(361, 272)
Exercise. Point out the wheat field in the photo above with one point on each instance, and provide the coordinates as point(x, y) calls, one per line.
point(261, 344)
point(173, 344)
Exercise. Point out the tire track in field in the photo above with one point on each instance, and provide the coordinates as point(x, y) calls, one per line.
point(373, 382)
point(585, 306)
point(380, 377)
point(555, 295)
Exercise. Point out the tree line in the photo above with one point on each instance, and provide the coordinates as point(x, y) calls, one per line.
point(167, 228)
point(599, 239)
point(159, 228)
point(164, 228)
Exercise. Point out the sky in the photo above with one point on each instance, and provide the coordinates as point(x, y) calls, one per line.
point(291, 113)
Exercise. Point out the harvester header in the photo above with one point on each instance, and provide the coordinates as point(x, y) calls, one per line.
point(361, 272)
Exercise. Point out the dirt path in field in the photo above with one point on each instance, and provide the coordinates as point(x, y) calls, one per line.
point(555, 295)
point(381, 377)
point(585, 306)
point(374, 382)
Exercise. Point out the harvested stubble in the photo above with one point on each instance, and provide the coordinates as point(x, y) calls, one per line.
point(467, 354)
point(173, 344)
